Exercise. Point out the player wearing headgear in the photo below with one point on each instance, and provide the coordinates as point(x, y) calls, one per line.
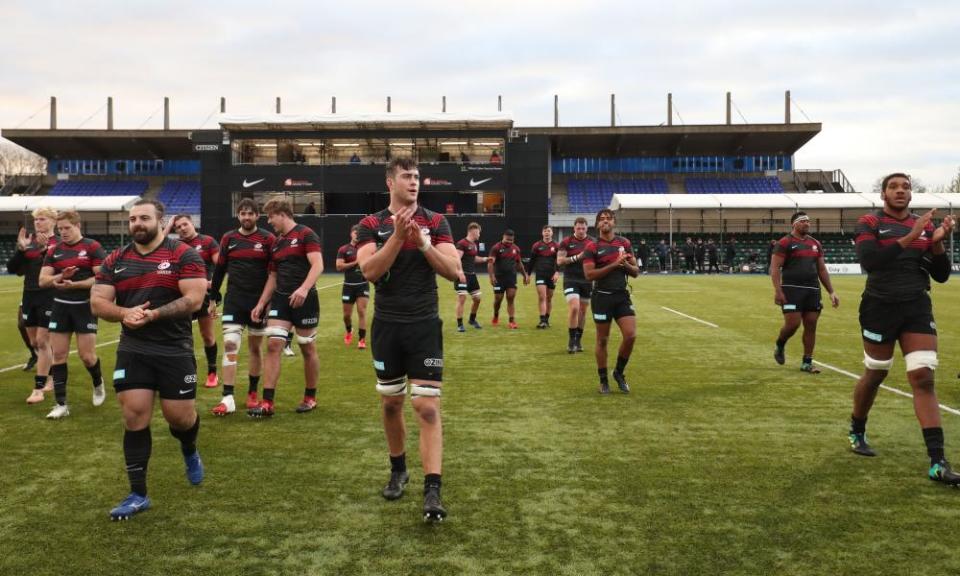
point(607, 261)
point(797, 269)
point(502, 267)
point(402, 249)
point(209, 251)
point(69, 268)
point(245, 258)
point(152, 286)
point(901, 251)
point(291, 295)
point(466, 282)
point(576, 288)
point(543, 265)
point(356, 289)
point(36, 302)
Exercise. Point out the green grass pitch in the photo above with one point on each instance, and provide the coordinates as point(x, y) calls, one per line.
point(719, 462)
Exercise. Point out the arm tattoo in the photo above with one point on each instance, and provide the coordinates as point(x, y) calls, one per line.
point(180, 308)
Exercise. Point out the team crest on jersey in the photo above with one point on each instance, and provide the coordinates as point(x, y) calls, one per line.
point(293, 242)
point(258, 246)
point(82, 254)
point(198, 247)
point(163, 265)
point(816, 248)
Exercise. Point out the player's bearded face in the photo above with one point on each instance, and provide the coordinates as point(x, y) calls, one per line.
point(144, 233)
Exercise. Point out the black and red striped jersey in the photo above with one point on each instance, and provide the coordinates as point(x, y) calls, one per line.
point(602, 253)
point(408, 291)
point(29, 262)
point(246, 259)
point(85, 254)
point(352, 276)
point(506, 258)
point(573, 246)
point(155, 278)
point(801, 261)
point(896, 274)
point(543, 258)
point(468, 262)
point(289, 257)
point(207, 248)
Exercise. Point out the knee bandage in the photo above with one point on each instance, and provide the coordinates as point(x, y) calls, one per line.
point(278, 332)
point(396, 387)
point(303, 340)
point(424, 390)
point(921, 359)
point(231, 343)
point(874, 364)
point(476, 295)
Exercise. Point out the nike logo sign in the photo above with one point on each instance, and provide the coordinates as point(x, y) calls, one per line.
point(119, 270)
point(479, 182)
point(253, 183)
point(884, 231)
point(57, 255)
point(187, 391)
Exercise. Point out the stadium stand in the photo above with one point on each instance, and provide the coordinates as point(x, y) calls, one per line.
point(766, 185)
point(590, 195)
point(181, 196)
point(99, 188)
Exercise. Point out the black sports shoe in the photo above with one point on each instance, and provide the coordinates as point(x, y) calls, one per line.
point(579, 344)
point(541, 325)
point(433, 510)
point(859, 445)
point(779, 356)
point(394, 488)
point(621, 382)
point(30, 363)
point(941, 472)
point(572, 345)
point(604, 388)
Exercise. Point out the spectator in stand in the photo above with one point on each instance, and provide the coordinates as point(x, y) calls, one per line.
point(310, 209)
point(464, 158)
point(730, 254)
point(495, 158)
point(355, 159)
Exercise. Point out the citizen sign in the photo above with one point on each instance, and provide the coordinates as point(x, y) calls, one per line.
point(206, 147)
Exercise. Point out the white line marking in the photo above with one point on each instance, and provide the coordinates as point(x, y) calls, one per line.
point(711, 324)
point(943, 407)
point(20, 366)
point(329, 286)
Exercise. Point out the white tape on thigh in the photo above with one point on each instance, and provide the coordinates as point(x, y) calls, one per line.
point(306, 339)
point(397, 387)
point(424, 390)
point(874, 364)
point(476, 295)
point(278, 332)
point(921, 359)
point(258, 332)
point(232, 329)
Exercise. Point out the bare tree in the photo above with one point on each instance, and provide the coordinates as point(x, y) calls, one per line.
point(16, 160)
point(919, 186)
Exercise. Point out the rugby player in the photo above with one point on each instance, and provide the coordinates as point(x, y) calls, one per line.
point(466, 282)
point(607, 261)
point(543, 265)
point(502, 267)
point(901, 251)
point(356, 289)
point(209, 251)
point(70, 268)
point(576, 288)
point(797, 269)
point(402, 249)
point(245, 257)
point(152, 286)
point(291, 294)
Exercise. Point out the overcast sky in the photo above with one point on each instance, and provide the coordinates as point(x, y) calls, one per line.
point(882, 76)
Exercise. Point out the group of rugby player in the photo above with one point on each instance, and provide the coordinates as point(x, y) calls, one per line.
point(156, 284)
point(900, 252)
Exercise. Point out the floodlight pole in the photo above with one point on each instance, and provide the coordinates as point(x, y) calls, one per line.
point(53, 112)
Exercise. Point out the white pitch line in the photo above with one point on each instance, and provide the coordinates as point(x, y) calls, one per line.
point(9, 368)
point(329, 286)
point(943, 407)
point(711, 324)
